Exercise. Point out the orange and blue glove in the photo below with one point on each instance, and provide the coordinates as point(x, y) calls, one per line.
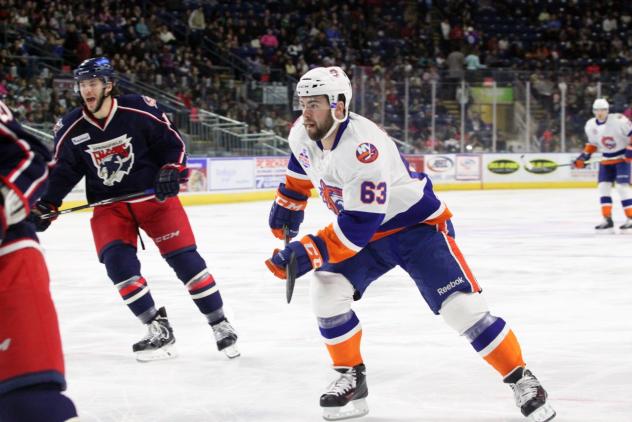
point(580, 162)
point(287, 211)
point(310, 253)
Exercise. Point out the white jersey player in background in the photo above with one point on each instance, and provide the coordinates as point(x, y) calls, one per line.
point(385, 216)
point(611, 135)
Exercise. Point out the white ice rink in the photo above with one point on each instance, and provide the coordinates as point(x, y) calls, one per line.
point(565, 291)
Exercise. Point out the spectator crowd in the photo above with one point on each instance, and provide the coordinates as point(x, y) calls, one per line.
point(215, 55)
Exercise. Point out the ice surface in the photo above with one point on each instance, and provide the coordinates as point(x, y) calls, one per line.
point(565, 291)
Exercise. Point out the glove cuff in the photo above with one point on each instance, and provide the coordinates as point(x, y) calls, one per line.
point(289, 199)
point(316, 250)
point(183, 171)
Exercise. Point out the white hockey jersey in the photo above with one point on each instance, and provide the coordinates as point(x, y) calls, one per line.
point(610, 137)
point(365, 181)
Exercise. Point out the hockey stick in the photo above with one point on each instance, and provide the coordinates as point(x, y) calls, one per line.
point(290, 268)
point(98, 203)
point(529, 167)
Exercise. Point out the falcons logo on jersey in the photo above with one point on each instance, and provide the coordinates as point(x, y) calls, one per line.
point(332, 197)
point(113, 159)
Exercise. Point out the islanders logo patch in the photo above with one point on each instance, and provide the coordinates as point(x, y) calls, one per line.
point(366, 153)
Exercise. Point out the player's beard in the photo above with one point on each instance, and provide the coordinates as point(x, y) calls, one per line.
point(99, 102)
point(320, 130)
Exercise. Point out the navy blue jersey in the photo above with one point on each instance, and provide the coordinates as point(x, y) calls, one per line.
point(23, 178)
point(118, 155)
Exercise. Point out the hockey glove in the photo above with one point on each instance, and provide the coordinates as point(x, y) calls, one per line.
point(287, 210)
point(168, 181)
point(35, 217)
point(310, 252)
point(580, 162)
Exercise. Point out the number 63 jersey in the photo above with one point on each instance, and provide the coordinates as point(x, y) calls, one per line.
point(365, 182)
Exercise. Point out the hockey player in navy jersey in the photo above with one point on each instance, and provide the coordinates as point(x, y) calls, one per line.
point(124, 145)
point(31, 359)
point(385, 215)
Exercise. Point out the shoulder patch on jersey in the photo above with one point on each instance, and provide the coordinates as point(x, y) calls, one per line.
point(303, 158)
point(58, 126)
point(366, 153)
point(151, 102)
point(81, 138)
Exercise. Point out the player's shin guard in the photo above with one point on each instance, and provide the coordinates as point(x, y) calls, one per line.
point(123, 268)
point(342, 335)
point(191, 269)
point(490, 336)
point(625, 192)
point(206, 296)
point(35, 404)
point(605, 198)
point(494, 341)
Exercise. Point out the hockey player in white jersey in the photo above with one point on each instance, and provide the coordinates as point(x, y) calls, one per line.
point(610, 134)
point(385, 215)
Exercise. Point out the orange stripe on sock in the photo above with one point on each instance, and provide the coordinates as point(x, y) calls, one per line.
point(346, 353)
point(466, 269)
point(628, 212)
point(606, 211)
point(506, 356)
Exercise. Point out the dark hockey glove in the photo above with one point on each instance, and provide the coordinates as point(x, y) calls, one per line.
point(41, 208)
point(310, 252)
point(580, 162)
point(287, 210)
point(168, 181)
point(628, 153)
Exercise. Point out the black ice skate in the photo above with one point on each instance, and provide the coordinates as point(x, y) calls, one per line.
point(607, 226)
point(346, 396)
point(626, 228)
point(159, 342)
point(530, 396)
point(226, 338)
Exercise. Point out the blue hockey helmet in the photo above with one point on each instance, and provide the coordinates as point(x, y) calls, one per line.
point(96, 67)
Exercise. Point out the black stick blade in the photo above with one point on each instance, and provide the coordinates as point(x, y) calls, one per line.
point(290, 271)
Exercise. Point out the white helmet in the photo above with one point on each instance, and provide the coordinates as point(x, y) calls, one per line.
point(330, 81)
point(601, 104)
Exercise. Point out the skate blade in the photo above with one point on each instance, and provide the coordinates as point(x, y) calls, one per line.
point(625, 231)
point(353, 409)
point(164, 353)
point(231, 351)
point(604, 231)
point(543, 413)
